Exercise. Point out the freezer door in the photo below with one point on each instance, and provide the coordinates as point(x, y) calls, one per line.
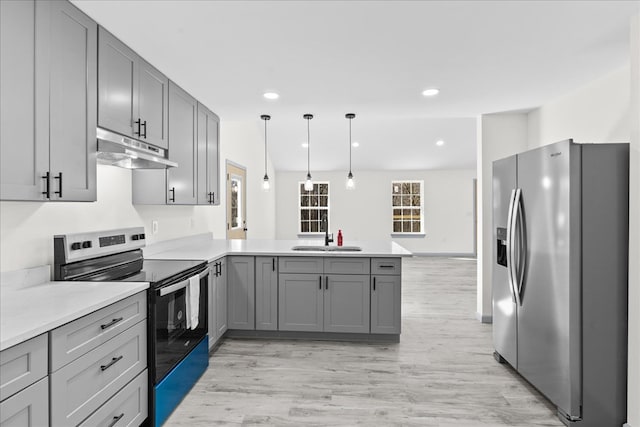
point(504, 305)
point(549, 315)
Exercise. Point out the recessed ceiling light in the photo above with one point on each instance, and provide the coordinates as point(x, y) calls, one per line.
point(305, 145)
point(431, 92)
point(355, 144)
point(271, 95)
point(439, 143)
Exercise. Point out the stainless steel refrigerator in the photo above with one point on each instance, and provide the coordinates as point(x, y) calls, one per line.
point(560, 258)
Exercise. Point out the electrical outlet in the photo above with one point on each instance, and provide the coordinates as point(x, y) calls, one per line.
point(154, 227)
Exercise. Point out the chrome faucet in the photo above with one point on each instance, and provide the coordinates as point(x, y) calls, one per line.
point(328, 238)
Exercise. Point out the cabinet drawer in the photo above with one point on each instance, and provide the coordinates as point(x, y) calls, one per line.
point(391, 266)
point(76, 338)
point(29, 408)
point(346, 265)
point(84, 385)
point(311, 265)
point(127, 408)
point(22, 365)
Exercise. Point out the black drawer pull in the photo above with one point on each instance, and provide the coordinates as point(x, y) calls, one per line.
point(387, 266)
point(110, 364)
point(59, 178)
point(113, 322)
point(47, 178)
point(116, 419)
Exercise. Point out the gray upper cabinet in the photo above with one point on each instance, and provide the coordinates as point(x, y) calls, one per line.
point(346, 303)
point(182, 180)
point(266, 293)
point(132, 94)
point(208, 160)
point(385, 304)
point(241, 292)
point(48, 82)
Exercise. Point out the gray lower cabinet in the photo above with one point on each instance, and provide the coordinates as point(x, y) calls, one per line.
point(28, 408)
point(241, 292)
point(300, 302)
point(84, 385)
point(385, 304)
point(217, 301)
point(23, 365)
point(346, 303)
point(266, 293)
point(208, 157)
point(48, 82)
point(132, 94)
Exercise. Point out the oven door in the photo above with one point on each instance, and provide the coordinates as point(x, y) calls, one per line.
point(174, 336)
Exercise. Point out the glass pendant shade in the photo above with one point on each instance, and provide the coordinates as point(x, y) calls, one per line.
point(351, 183)
point(308, 184)
point(265, 183)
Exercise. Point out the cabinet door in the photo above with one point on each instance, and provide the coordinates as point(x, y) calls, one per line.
point(211, 321)
point(385, 304)
point(208, 128)
point(346, 303)
point(153, 105)
point(73, 106)
point(182, 180)
point(266, 294)
point(213, 159)
point(29, 408)
point(24, 153)
point(241, 289)
point(221, 300)
point(300, 302)
point(117, 80)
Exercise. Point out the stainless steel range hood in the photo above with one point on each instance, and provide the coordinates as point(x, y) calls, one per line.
point(117, 150)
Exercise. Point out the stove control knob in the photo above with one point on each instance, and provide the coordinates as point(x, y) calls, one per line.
point(86, 244)
point(141, 236)
point(135, 237)
point(75, 246)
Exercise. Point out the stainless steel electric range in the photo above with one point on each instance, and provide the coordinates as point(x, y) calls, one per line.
point(177, 305)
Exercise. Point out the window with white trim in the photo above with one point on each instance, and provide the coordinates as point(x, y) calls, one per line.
point(407, 201)
point(313, 206)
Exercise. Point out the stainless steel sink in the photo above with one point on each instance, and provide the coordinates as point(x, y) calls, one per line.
point(320, 248)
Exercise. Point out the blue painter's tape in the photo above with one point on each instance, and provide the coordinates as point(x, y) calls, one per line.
point(175, 386)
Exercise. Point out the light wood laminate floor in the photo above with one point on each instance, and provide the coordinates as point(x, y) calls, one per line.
point(442, 372)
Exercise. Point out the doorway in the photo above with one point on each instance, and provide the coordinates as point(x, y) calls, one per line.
point(236, 201)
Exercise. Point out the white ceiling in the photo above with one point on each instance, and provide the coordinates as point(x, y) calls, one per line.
point(373, 58)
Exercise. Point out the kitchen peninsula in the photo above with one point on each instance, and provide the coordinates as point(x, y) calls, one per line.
point(297, 288)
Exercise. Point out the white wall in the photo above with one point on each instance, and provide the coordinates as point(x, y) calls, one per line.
point(597, 112)
point(27, 228)
point(633, 399)
point(499, 136)
point(365, 213)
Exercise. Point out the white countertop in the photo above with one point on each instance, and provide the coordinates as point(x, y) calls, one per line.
point(213, 249)
point(30, 311)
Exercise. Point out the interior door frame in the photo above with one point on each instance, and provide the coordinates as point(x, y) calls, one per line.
point(228, 199)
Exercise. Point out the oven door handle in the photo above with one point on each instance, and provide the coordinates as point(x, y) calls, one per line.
point(180, 285)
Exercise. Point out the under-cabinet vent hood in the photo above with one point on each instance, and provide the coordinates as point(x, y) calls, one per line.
point(117, 150)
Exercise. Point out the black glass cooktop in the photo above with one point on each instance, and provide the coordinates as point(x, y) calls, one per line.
point(158, 271)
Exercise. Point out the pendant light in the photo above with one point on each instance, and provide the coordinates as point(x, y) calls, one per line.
point(308, 184)
point(351, 184)
point(265, 180)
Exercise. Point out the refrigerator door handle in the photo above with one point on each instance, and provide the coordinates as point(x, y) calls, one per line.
point(522, 244)
point(510, 245)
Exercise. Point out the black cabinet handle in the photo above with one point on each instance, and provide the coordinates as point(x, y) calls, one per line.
point(213, 197)
point(326, 282)
point(138, 122)
point(320, 283)
point(210, 198)
point(115, 420)
point(374, 283)
point(47, 181)
point(219, 269)
point(110, 364)
point(172, 198)
point(386, 266)
point(273, 266)
point(144, 135)
point(113, 322)
point(59, 178)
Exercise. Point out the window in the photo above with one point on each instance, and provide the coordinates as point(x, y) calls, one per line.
point(314, 206)
point(406, 199)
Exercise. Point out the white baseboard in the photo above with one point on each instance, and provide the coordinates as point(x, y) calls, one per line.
point(484, 318)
